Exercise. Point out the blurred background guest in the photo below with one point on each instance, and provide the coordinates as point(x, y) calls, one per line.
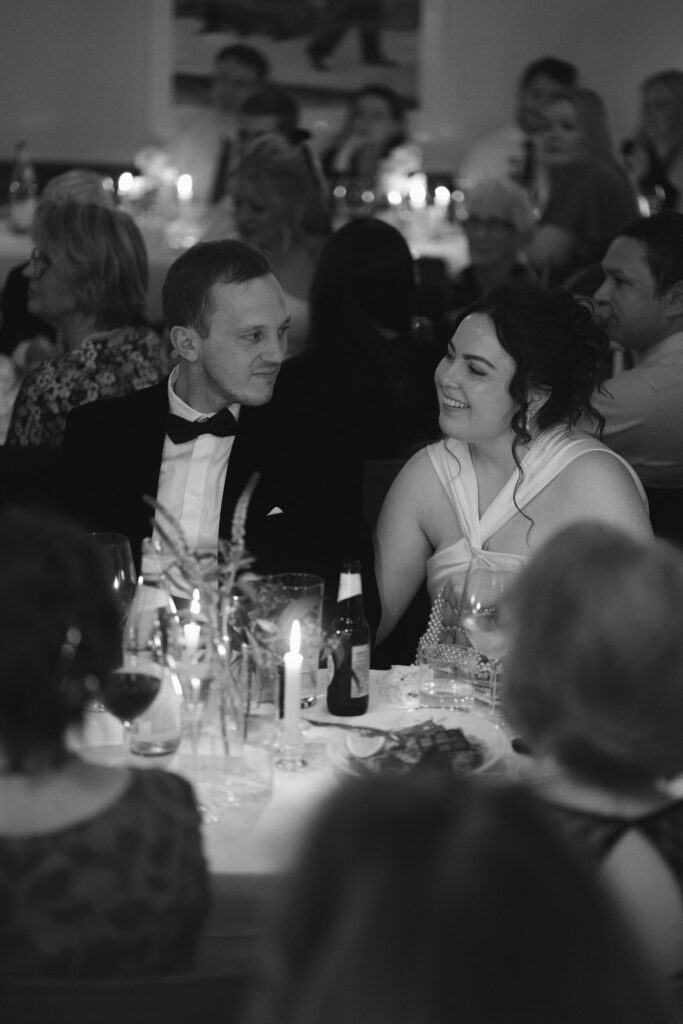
point(88, 278)
point(510, 152)
point(593, 684)
point(374, 126)
point(509, 470)
point(500, 223)
point(203, 140)
point(654, 156)
point(277, 203)
point(84, 889)
point(268, 110)
point(375, 373)
point(589, 195)
point(439, 899)
point(17, 324)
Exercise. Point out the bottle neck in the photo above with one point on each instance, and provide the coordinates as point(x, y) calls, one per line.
point(350, 595)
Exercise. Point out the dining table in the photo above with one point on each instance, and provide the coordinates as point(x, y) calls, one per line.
point(250, 848)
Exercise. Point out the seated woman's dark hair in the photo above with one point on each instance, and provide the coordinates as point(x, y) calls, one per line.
point(558, 346)
point(365, 279)
point(59, 632)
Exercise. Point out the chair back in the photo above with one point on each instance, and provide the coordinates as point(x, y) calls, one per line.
point(160, 999)
point(666, 512)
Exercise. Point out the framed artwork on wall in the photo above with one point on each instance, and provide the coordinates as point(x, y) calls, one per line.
point(320, 50)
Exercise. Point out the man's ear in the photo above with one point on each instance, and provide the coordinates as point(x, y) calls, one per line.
point(185, 341)
point(673, 300)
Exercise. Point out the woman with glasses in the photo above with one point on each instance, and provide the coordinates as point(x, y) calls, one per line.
point(88, 278)
point(500, 223)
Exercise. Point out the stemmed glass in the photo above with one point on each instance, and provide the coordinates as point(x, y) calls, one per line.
point(116, 556)
point(480, 616)
point(129, 690)
point(115, 553)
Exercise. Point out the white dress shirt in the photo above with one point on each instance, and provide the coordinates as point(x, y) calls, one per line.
point(192, 477)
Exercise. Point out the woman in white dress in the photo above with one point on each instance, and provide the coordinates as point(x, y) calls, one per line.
point(511, 468)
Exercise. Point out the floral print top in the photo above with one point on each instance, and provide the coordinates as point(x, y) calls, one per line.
point(123, 892)
point(108, 364)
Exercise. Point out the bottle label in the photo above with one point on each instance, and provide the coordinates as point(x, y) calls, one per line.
point(349, 586)
point(360, 667)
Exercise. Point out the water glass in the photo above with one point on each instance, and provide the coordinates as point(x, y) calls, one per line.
point(290, 596)
point(449, 683)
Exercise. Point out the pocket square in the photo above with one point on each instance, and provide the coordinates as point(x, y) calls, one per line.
point(277, 511)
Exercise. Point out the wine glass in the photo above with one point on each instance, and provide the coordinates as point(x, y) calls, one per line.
point(129, 690)
point(480, 616)
point(117, 557)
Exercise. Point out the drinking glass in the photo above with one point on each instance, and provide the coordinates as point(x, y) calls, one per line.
point(128, 691)
point(116, 556)
point(284, 598)
point(151, 634)
point(196, 665)
point(480, 616)
point(449, 682)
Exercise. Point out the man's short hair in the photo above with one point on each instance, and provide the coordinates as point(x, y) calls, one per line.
point(248, 55)
point(662, 239)
point(560, 71)
point(273, 102)
point(186, 297)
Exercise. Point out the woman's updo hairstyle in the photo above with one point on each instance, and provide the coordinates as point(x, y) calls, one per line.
point(558, 346)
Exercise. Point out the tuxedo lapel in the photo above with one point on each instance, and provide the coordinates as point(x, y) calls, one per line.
point(249, 455)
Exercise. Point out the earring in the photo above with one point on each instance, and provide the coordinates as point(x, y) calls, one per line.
point(529, 419)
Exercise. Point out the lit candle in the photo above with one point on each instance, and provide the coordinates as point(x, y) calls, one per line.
point(192, 630)
point(185, 192)
point(293, 662)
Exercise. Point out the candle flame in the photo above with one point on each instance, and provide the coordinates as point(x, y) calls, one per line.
point(295, 637)
point(195, 606)
point(125, 183)
point(184, 186)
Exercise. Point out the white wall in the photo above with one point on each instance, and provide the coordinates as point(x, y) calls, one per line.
point(474, 50)
point(83, 79)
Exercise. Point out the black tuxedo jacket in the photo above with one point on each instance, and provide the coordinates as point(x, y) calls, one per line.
point(111, 458)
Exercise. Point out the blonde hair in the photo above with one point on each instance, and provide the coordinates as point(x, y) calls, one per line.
point(594, 668)
point(290, 171)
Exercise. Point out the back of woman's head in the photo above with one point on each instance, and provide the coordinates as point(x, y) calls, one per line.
point(506, 200)
point(289, 171)
point(58, 626)
point(104, 254)
point(364, 278)
point(594, 669)
point(436, 899)
point(558, 346)
point(80, 185)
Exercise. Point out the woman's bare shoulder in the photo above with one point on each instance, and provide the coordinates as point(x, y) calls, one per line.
point(598, 484)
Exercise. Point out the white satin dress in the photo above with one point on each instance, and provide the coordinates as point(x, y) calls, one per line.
point(546, 457)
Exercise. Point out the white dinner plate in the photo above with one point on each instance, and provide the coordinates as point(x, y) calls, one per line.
point(491, 736)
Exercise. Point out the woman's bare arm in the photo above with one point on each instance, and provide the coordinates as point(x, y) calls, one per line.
point(401, 544)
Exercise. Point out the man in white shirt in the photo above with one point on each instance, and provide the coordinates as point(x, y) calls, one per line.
point(202, 142)
point(510, 152)
point(641, 303)
point(193, 440)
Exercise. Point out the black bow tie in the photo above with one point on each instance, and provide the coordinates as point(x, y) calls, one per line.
point(223, 424)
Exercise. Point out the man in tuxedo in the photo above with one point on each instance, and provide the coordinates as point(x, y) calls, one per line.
point(193, 440)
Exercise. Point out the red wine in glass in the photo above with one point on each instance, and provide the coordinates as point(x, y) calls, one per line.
point(126, 693)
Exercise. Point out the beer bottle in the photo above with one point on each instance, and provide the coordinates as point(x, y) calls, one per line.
point(347, 692)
